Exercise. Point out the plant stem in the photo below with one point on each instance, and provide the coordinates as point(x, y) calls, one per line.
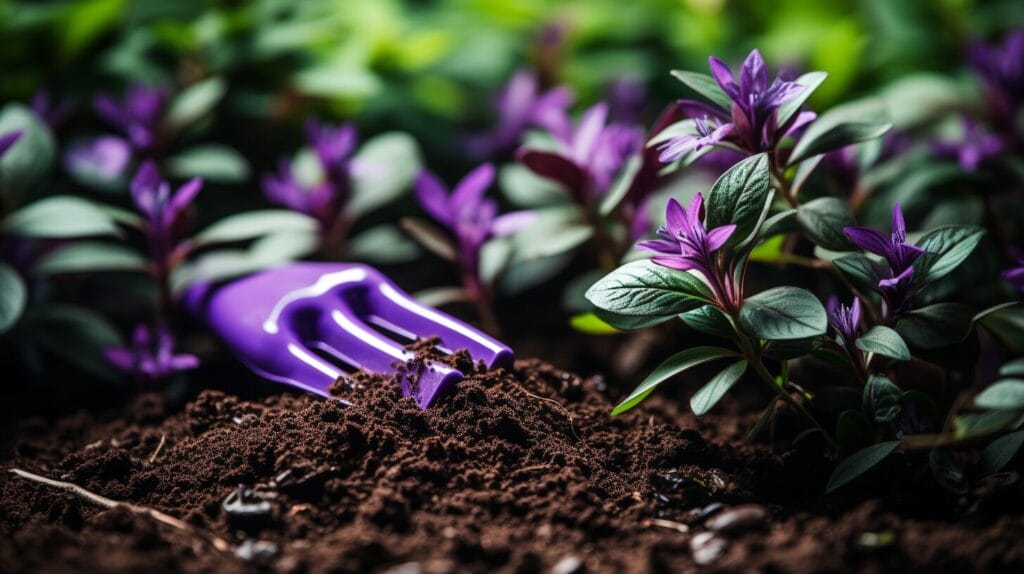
point(767, 378)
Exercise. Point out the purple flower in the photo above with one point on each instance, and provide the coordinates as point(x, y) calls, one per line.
point(588, 157)
point(467, 213)
point(686, 245)
point(627, 98)
point(162, 209)
point(752, 122)
point(137, 116)
point(1002, 72)
point(1015, 275)
point(845, 321)
point(106, 158)
point(977, 147)
point(520, 106)
point(8, 139)
point(151, 357)
point(898, 254)
point(323, 200)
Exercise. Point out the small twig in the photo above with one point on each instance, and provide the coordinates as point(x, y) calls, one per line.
point(568, 415)
point(212, 539)
point(159, 447)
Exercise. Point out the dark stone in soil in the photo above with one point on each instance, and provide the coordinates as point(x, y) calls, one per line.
point(514, 472)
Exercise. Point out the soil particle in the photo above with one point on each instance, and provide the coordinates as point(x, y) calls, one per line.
point(517, 471)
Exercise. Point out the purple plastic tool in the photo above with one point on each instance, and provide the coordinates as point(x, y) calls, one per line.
point(307, 324)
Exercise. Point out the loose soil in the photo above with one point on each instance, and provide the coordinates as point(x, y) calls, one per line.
point(517, 471)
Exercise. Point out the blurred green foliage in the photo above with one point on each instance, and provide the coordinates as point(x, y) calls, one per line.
point(387, 62)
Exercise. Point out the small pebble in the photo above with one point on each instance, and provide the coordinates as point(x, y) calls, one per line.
point(706, 548)
point(259, 550)
point(568, 565)
point(738, 518)
point(406, 568)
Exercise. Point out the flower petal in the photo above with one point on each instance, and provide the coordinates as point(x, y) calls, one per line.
point(7, 140)
point(675, 262)
point(554, 166)
point(719, 235)
point(723, 75)
point(433, 197)
point(513, 222)
point(659, 245)
point(123, 359)
point(588, 132)
point(145, 186)
point(185, 195)
point(469, 192)
point(676, 218)
point(869, 239)
point(899, 224)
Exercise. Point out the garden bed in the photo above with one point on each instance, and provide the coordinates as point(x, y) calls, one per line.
point(514, 472)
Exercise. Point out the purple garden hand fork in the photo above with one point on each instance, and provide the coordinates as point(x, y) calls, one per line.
point(306, 324)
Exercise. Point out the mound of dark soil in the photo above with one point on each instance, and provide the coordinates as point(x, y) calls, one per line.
point(520, 471)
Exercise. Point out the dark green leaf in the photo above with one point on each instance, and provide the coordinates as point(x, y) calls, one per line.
point(784, 313)
point(1008, 325)
point(936, 325)
point(13, 297)
point(1003, 395)
point(859, 462)
point(859, 269)
point(740, 196)
point(947, 471)
point(89, 256)
point(431, 237)
point(525, 189)
point(791, 349)
point(999, 454)
point(591, 324)
point(253, 224)
point(28, 161)
point(708, 396)
point(945, 249)
point(628, 323)
point(824, 219)
point(709, 319)
point(974, 425)
point(882, 399)
point(706, 86)
point(811, 80)
point(882, 340)
point(645, 289)
point(212, 162)
point(60, 217)
point(822, 137)
point(669, 368)
point(782, 222)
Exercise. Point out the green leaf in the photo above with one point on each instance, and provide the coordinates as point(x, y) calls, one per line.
point(195, 102)
point(614, 196)
point(974, 425)
point(253, 224)
point(1005, 395)
point(591, 324)
point(60, 217)
point(431, 237)
point(1008, 325)
point(706, 86)
point(858, 463)
point(739, 197)
point(540, 241)
point(947, 471)
point(824, 219)
point(76, 335)
point(1013, 368)
point(525, 189)
point(709, 319)
point(791, 349)
point(89, 256)
point(862, 271)
point(707, 396)
point(811, 80)
point(882, 340)
point(784, 313)
point(1000, 452)
point(384, 244)
point(383, 170)
point(13, 297)
point(212, 162)
point(30, 158)
point(780, 224)
point(628, 323)
point(643, 288)
point(945, 249)
point(832, 131)
point(882, 399)
point(671, 367)
point(936, 325)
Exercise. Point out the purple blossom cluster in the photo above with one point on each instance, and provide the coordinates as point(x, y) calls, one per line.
point(895, 285)
point(752, 123)
point(150, 358)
